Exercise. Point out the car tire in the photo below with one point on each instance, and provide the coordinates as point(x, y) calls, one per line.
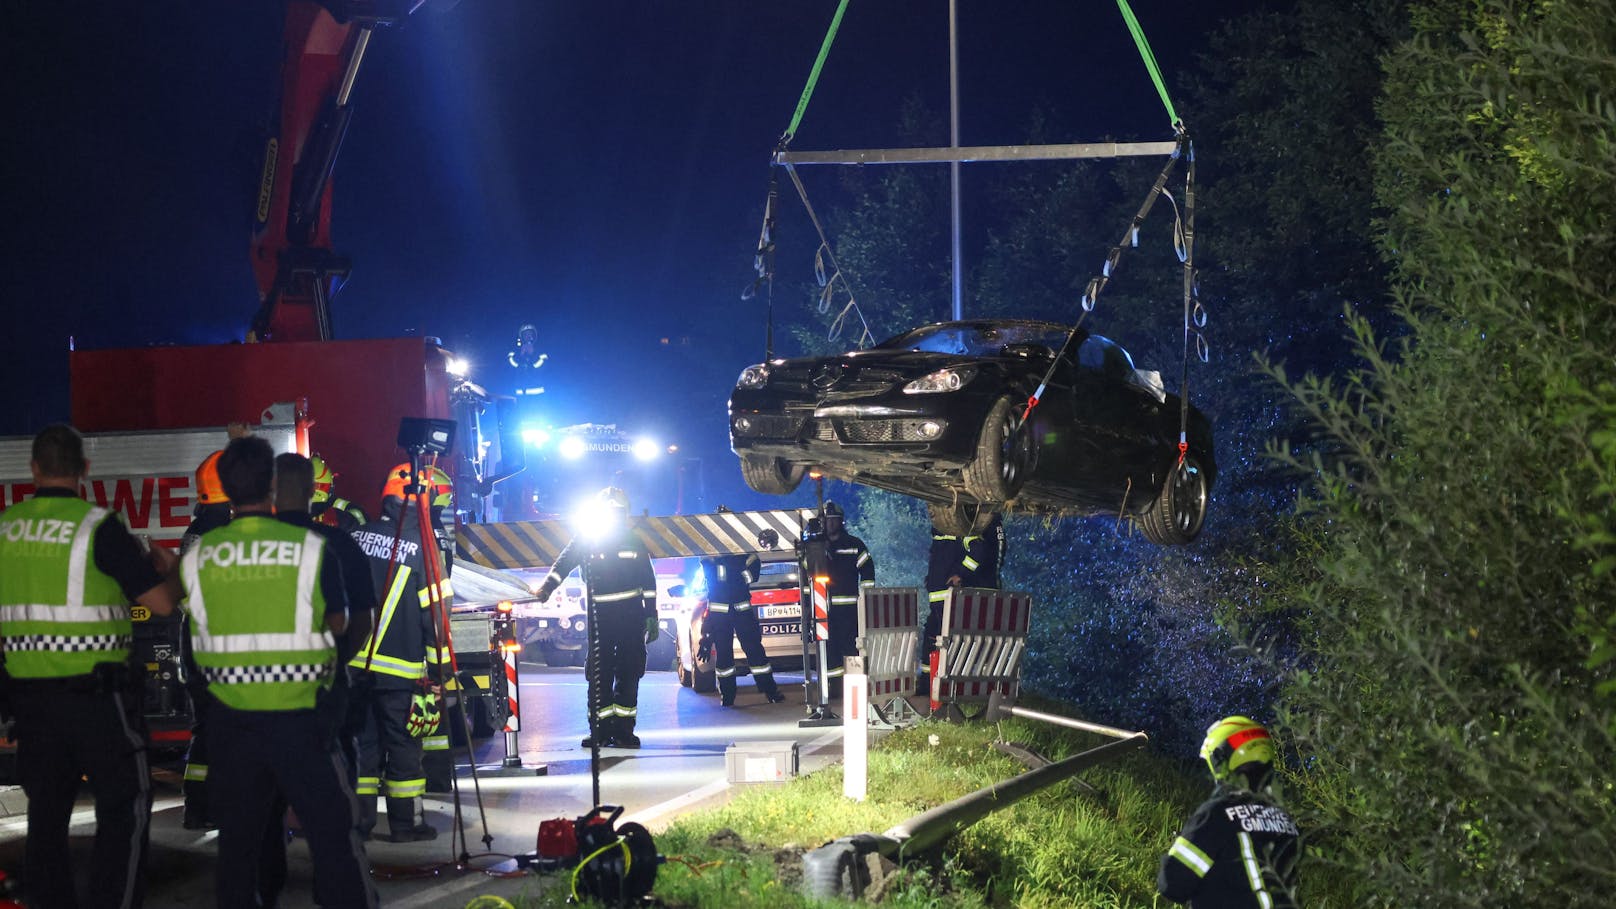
point(771, 476)
point(1175, 518)
point(1003, 456)
point(703, 680)
point(961, 519)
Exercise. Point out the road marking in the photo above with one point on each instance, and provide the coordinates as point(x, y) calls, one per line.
point(434, 896)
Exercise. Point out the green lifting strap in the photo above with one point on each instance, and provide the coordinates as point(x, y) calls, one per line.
point(1144, 54)
point(813, 76)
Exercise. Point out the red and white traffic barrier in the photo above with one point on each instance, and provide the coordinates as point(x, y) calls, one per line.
point(984, 635)
point(889, 629)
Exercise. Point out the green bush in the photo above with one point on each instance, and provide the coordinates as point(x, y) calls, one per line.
point(1458, 719)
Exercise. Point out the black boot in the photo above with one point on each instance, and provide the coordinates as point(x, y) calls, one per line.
point(766, 687)
point(603, 733)
point(726, 690)
point(624, 737)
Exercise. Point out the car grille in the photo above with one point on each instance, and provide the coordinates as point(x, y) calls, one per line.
point(890, 430)
point(851, 383)
point(767, 426)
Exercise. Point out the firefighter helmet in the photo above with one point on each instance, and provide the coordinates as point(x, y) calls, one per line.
point(1235, 742)
point(323, 478)
point(833, 510)
point(439, 488)
point(209, 491)
point(613, 497)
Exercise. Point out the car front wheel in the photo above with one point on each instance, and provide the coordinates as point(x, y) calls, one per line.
point(1175, 518)
point(1003, 456)
point(770, 476)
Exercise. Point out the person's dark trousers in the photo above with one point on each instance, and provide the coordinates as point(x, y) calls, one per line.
point(90, 728)
point(615, 672)
point(842, 643)
point(390, 755)
point(745, 623)
point(197, 813)
point(258, 755)
point(720, 628)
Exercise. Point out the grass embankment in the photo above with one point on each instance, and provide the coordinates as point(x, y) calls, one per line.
point(1092, 842)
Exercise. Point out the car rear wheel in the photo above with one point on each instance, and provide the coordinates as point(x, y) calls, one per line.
point(770, 476)
point(961, 519)
point(1003, 456)
point(1175, 518)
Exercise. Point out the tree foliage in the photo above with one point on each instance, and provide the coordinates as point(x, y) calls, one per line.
point(1457, 716)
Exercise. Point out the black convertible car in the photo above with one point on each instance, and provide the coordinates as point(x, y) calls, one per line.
point(936, 413)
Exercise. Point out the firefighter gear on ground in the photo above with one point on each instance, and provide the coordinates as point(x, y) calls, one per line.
point(401, 654)
point(850, 567)
point(621, 611)
point(67, 574)
point(955, 561)
point(730, 617)
point(1239, 848)
point(260, 591)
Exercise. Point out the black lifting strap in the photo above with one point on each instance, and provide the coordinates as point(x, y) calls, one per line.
point(1091, 294)
point(763, 262)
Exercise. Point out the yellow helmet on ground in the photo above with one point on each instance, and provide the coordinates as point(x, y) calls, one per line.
point(1235, 742)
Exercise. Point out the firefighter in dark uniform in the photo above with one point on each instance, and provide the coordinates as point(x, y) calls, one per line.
point(730, 617)
point(267, 607)
point(212, 512)
point(1240, 848)
point(621, 589)
point(400, 664)
point(294, 485)
point(68, 572)
point(330, 509)
point(955, 561)
point(851, 568)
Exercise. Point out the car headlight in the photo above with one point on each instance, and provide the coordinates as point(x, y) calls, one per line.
point(754, 376)
point(951, 379)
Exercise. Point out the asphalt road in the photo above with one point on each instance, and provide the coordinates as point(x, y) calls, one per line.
point(681, 765)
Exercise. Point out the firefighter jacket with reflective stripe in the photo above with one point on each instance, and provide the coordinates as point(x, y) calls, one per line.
point(339, 513)
point(851, 567)
point(59, 614)
point(1238, 850)
point(257, 609)
point(973, 559)
point(617, 573)
point(405, 644)
point(729, 579)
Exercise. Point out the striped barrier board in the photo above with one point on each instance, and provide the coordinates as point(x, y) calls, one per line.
point(535, 544)
point(984, 635)
point(889, 629)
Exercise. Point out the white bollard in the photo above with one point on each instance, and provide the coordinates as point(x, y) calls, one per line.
point(855, 729)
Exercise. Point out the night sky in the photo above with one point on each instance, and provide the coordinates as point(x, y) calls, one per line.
point(593, 166)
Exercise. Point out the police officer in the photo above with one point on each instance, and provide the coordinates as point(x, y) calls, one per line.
point(68, 572)
point(294, 486)
point(401, 661)
point(1240, 848)
point(329, 509)
point(730, 617)
point(212, 511)
point(851, 568)
point(955, 561)
point(621, 587)
point(267, 607)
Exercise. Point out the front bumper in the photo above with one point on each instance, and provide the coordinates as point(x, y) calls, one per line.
point(933, 431)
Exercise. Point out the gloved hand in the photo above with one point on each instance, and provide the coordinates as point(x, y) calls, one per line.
point(544, 591)
point(426, 713)
point(652, 632)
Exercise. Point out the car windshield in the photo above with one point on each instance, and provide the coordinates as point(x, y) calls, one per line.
point(978, 339)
